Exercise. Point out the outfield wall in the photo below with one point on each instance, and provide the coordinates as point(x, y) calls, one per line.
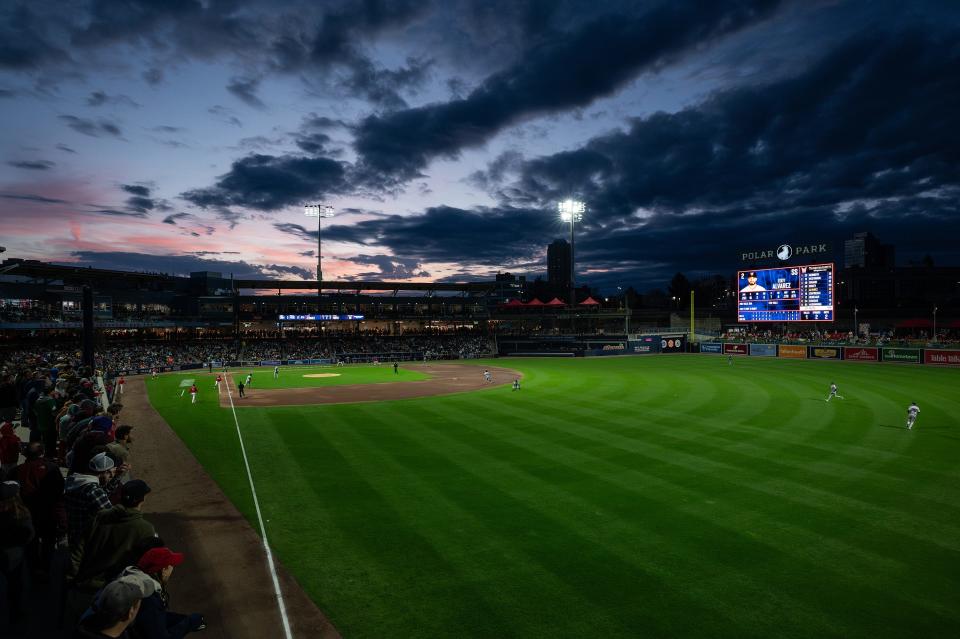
point(927, 356)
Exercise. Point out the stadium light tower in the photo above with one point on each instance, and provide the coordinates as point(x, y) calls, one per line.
point(318, 211)
point(934, 324)
point(572, 211)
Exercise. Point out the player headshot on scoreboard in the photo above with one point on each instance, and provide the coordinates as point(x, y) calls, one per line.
point(752, 286)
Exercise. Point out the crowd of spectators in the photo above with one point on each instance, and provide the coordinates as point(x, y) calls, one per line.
point(836, 338)
point(75, 546)
point(121, 356)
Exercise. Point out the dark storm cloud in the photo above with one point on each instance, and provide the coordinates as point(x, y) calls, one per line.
point(389, 267)
point(568, 71)
point(182, 264)
point(119, 213)
point(99, 98)
point(24, 42)
point(267, 183)
point(245, 89)
point(445, 234)
point(65, 148)
point(93, 128)
point(36, 165)
point(7, 93)
point(867, 139)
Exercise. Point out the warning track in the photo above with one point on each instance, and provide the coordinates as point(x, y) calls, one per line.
point(445, 379)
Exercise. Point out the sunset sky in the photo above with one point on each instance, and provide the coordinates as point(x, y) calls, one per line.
point(183, 135)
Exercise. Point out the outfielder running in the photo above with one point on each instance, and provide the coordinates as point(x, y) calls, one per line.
point(833, 393)
point(912, 411)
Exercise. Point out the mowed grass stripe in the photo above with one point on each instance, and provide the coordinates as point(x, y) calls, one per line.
point(611, 503)
point(514, 516)
point(462, 532)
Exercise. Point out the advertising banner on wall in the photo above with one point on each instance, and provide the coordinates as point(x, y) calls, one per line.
point(824, 352)
point(711, 347)
point(763, 350)
point(735, 349)
point(905, 355)
point(861, 354)
point(671, 343)
point(792, 351)
point(941, 358)
point(643, 346)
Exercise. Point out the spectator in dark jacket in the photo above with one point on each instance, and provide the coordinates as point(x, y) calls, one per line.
point(41, 487)
point(16, 531)
point(155, 621)
point(9, 448)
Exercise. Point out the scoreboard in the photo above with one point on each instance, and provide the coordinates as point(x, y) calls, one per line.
point(791, 294)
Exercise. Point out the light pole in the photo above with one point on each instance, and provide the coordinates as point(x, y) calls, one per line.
point(626, 312)
point(856, 327)
point(318, 211)
point(934, 324)
point(572, 211)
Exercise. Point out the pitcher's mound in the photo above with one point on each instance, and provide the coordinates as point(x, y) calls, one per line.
point(322, 375)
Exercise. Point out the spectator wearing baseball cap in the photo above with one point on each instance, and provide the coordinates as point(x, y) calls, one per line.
point(115, 608)
point(155, 619)
point(84, 496)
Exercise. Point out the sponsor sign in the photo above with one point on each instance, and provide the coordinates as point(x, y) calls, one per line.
point(641, 348)
point(941, 358)
point(271, 362)
point(711, 347)
point(763, 350)
point(792, 351)
point(735, 349)
point(906, 355)
point(784, 252)
point(861, 354)
point(619, 346)
point(824, 352)
point(671, 343)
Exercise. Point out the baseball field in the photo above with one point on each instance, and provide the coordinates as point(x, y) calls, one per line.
point(668, 496)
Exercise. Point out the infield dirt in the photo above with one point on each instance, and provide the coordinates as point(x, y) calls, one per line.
point(445, 379)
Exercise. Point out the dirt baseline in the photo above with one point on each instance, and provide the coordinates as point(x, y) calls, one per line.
point(445, 379)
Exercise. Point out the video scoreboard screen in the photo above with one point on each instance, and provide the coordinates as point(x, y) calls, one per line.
point(791, 294)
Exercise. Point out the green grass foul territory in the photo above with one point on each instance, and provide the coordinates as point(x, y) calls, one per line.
point(658, 496)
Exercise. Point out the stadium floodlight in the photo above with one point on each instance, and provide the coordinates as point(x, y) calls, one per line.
point(572, 211)
point(318, 211)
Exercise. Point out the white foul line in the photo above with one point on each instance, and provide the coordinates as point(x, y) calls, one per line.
point(263, 530)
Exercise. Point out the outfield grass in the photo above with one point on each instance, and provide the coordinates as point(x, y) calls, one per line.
point(615, 497)
point(294, 376)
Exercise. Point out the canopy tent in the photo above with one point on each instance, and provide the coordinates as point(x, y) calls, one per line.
point(556, 302)
point(589, 302)
point(535, 302)
point(512, 304)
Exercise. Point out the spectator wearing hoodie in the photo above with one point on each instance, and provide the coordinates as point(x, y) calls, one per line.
point(106, 548)
point(155, 620)
point(84, 496)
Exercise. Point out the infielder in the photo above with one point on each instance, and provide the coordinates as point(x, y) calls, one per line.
point(193, 394)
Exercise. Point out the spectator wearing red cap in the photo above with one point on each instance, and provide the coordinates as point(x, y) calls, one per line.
point(155, 621)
